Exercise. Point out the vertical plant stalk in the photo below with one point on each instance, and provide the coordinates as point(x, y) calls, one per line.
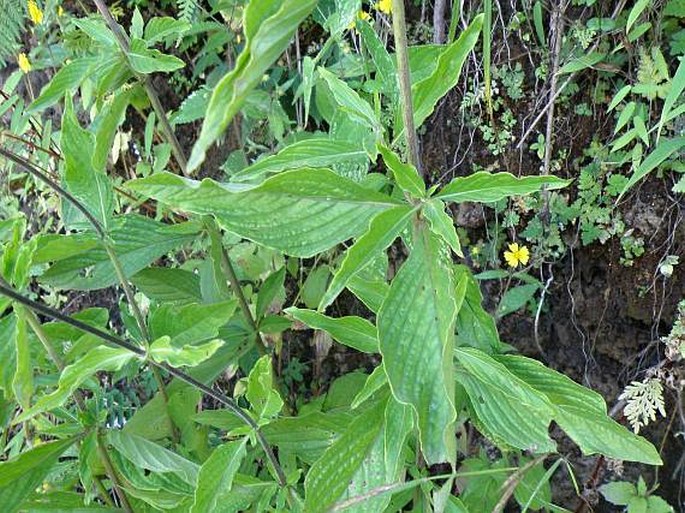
point(152, 95)
point(487, 58)
point(439, 21)
point(399, 28)
point(111, 473)
point(115, 341)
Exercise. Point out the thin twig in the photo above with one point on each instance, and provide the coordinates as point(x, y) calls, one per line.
point(111, 473)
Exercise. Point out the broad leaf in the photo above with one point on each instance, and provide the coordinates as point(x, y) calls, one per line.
point(352, 331)
point(87, 183)
point(161, 28)
point(217, 474)
point(329, 477)
point(383, 230)
point(190, 323)
point(101, 358)
point(314, 152)
point(80, 263)
point(146, 60)
point(299, 212)
point(269, 26)
point(155, 458)
point(21, 475)
point(162, 350)
point(486, 187)
point(167, 284)
point(475, 327)
point(507, 409)
point(416, 334)
point(582, 413)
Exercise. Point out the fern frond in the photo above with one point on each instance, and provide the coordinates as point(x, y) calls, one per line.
point(11, 28)
point(188, 9)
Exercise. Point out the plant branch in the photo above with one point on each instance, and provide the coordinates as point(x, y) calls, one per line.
point(399, 27)
point(116, 341)
point(152, 95)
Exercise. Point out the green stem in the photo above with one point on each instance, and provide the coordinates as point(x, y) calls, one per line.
point(111, 473)
point(399, 27)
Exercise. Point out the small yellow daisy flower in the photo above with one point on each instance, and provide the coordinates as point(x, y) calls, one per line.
point(384, 6)
point(24, 63)
point(35, 13)
point(516, 255)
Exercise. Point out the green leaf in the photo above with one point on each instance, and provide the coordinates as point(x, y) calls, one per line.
point(69, 77)
point(516, 298)
point(271, 288)
point(330, 475)
point(88, 184)
point(442, 224)
point(663, 150)
point(674, 92)
point(162, 350)
point(160, 28)
point(314, 152)
point(416, 334)
point(314, 286)
point(406, 175)
point(385, 67)
point(101, 358)
point(80, 263)
point(217, 474)
point(261, 393)
point(582, 413)
point(383, 230)
point(269, 26)
point(352, 331)
point(618, 493)
point(580, 63)
point(106, 123)
point(146, 60)
point(427, 92)
point(485, 187)
point(167, 285)
point(374, 382)
point(155, 458)
point(21, 475)
point(301, 213)
point(22, 383)
point(507, 409)
point(475, 327)
point(640, 5)
point(192, 323)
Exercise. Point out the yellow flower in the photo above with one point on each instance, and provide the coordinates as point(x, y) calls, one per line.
point(384, 6)
point(361, 15)
point(516, 255)
point(24, 63)
point(35, 13)
point(60, 11)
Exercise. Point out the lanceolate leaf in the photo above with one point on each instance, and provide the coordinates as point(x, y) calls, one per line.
point(269, 26)
point(81, 263)
point(329, 477)
point(22, 384)
point(162, 350)
point(67, 78)
point(352, 331)
point(442, 224)
point(190, 323)
point(99, 359)
point(315, 152)
point(406, 175)
point(148, 455)
point(582, 413)
point(167, 284)
point(416, 334)
point(300, 212)
point(425, 94)
point(216, 475)
point(507, 409)
point(475, 327)
point(486, 187)
point(20, 476)
point(383, 230)
point(663, 150)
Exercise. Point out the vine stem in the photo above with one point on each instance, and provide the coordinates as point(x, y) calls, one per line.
point(399, 27)
point(116, 341)
point(152, 95)
point(111, 473)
